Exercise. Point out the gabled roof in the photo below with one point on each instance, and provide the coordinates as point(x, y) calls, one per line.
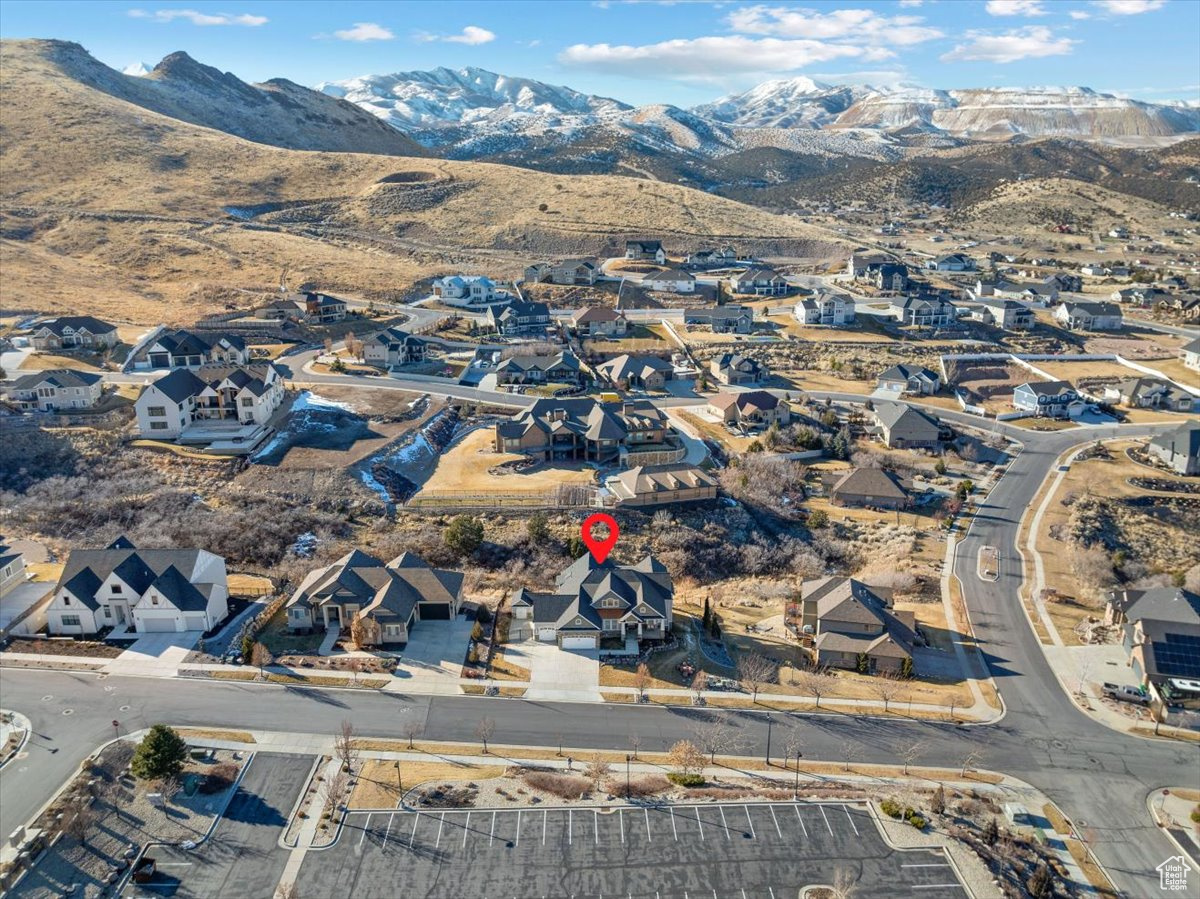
point(899, 415)
point(645, 246)
point(179, 591)
point(56, 377)
point(867, 482)
point(671, 274)
point(1092, 308)
point(907, 372)
point(390, 591)
point(759, 274)
point(586, 581)
point(648, 480)
point(626, 366)
point(746, 401)
point(58, 326)
point(738, 361)
point(1185, 439)
point(596, 314)
point(539, 363)
point(393, 337)
point(1049, 388)
point(717, 313)
point(178, 385)
point(1192, 346)
point(87, 569)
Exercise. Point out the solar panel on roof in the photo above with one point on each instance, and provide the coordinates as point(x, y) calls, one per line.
point(1177, 655)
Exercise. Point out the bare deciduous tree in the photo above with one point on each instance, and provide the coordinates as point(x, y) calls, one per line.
point(686, 757)
point(597, 769)
point(909, 751)
point(850, 752)
point(335, 789)
point(886, 689)
point(260, 657)
point(635, 743)
point(169, 787)
point(816, 683)
point(411, 730)
point(82, 823)
point(484, 730)
point(354, 665)
point(755, 670)
point(641, 680)
point(971, 758)
point(793, 745)
point(1092, 567)
point(699, 683)
point(713, 736)
point(344, 748)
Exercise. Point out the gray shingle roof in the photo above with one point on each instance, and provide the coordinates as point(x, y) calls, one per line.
point(56, 377)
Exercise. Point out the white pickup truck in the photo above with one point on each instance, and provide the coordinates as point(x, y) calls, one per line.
point(1126, 694)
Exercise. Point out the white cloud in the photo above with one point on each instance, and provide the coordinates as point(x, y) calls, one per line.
point(859, 26)
point(909, 4)
point(199, 18)
point(1032, 42)
point(710, 58)
point(1129, 7)
point(472, 34)
point(1015, 8)
point(1079, 14)
point(364, 31)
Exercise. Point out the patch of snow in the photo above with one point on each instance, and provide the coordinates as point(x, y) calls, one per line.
point(369, 480)
point(309, 400)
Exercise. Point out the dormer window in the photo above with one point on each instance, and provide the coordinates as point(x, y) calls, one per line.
point(66, 600)
point(116, 588)
point(153, 599)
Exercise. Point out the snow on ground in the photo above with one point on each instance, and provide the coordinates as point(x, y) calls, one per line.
point(411, 452)
point(369, 480)
point(309, 400)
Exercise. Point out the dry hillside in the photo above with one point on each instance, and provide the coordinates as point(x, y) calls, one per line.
point(111, 208)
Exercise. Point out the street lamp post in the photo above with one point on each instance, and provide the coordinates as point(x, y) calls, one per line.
point(796, 789)
point(627, 758)
point(770, 721)
point(399, 782)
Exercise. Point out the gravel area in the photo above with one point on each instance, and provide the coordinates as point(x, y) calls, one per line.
point(974, 872)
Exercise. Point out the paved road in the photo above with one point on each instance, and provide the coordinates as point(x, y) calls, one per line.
point(1100, 777)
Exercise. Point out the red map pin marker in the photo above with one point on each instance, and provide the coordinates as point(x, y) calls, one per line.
point(600, 548)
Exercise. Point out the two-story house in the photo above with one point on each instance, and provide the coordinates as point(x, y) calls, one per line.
point(761, 281)
point(584, 430)
point(825, 308)
point(187, 349)
point(672, 280)
point(69, 332)
point(519, 318)
point(467, 290)
point(592, 600)
point(730, 319)
point(1089, 316)
point(734, 368)
point(145, 590)
point(854, 627)
point(953, 262)
point(387, 599)
point(927, 311)
point(55, 389)
point(645, 251)
point(567, 271)
point(392, 347)
point(1008, 315)
point(600, 321)
point(245, 395)
point(1049, 399)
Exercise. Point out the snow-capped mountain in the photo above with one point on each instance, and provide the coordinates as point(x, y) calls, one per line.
point(785, 103)
point(137, 69)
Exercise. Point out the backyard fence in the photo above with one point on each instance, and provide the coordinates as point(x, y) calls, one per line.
point(566, 496)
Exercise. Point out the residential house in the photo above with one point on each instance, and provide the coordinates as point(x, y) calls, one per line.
point(825, 308)
point(1094, 269)
point(734, 368)
point(312, 307)
point(1120, 233)
point(729, 319)
point(1008, 315)
point(583, 429)
point(913, 379)
point(55, 389)
point(862, 261)
point(855, 628)
point(592, 600)
point(187, 349)
point(560, 369)
point(1150, 393)
point(713, 258)
point(468, 290)
point(1140, 295)
point(645, 251)
point(566, 271)
point(1190, 354)
point(762, 281)
point(392, 347)
point(69, 332)
point(900, 426)
point(388, 599)
point(1161, 634)
point(661, 485)
point(1063, 282)
point(600, 321)
point(144, 590)
point(246, 395)
point(889, 276)
point(637, 372)
point(672, 280)
point(519, 319)
point(1178, 448)
point(1089, 316)
point(1049, 399)
point(875, 488)
point(954, 262)
point(926, 311)
point(750, 409)
point(12, 569)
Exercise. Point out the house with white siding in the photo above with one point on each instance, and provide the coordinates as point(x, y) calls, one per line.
point(55, 389)
point(144, 590)
point(1089, 316)
point(69, 332)
point(825, 308)
point(245, 395)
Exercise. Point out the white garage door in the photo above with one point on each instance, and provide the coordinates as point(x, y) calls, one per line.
point(579, 643)
point(546, 633)
point(194, 622)
point(158, 625)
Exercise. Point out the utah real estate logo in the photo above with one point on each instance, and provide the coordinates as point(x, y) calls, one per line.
point(1172, 874)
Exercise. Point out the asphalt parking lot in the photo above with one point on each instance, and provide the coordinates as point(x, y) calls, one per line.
point(242, 857)
point(728, 851)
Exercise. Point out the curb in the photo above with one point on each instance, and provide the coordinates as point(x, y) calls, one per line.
point(27, 731)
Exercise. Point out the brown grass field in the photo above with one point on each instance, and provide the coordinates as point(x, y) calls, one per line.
point(466, 468)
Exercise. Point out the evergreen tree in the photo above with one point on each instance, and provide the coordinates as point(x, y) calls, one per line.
point(161, 753)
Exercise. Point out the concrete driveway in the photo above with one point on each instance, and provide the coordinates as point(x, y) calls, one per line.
point(565, 675)
point(155, 655)
point(433, 659)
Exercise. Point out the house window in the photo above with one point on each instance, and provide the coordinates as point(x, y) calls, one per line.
point(612, 624)
point(157, 411)
point(107, 612)
point(66, 600)
point(247, 401)
point(116, 588)
point(153, 599)
point(610, 603)
point(158, 426)
point(70, 621)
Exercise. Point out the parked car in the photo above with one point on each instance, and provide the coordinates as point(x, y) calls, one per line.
point(1124, 693)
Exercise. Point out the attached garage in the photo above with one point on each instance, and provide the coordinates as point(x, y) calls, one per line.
point(434, 611)
point(194, 622)
point(577, 642)
point(160, 360)
point(546, 633)
point(157, 625)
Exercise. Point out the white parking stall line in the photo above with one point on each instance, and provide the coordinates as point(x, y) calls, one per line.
point(699, 824)
point(776, 820)
point(466, 828)
point(753, 835)
point(413, 836)
point(596, 826)
point(441, 823)
point(803, 829)
point(772, 892)
point(721, 809)
point(744, 894)
point(850, 818)
point(674, 830)
point(545, 815)
point(491, 833)
point(570, 835)
point(646, 812)
point(927, 865)
point(621, 818)
point(517, 838)
point(174, 864)
point(939, 886)
point(366, 827)
point(826, 817)
point(388, 830)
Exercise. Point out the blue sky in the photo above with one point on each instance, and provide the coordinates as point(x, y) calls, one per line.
point(641, 52)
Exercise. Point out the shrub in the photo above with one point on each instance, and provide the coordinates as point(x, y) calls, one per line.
point(221, 777)
point(686, 780)
point(464, 535)
point(916, 820)
point(646, 785)
point(161, 753)
point(565, 786)
point(891, 808)
point(818, 519)
point(1195, 816)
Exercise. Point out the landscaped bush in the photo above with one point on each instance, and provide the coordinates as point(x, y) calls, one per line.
point(646, 785)
point(916, 819)
point(565, 786)
point(891, 808)
point(221, 777)
point(686, 780)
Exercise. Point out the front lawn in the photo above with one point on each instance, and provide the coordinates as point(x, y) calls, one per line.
point(276, 637)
